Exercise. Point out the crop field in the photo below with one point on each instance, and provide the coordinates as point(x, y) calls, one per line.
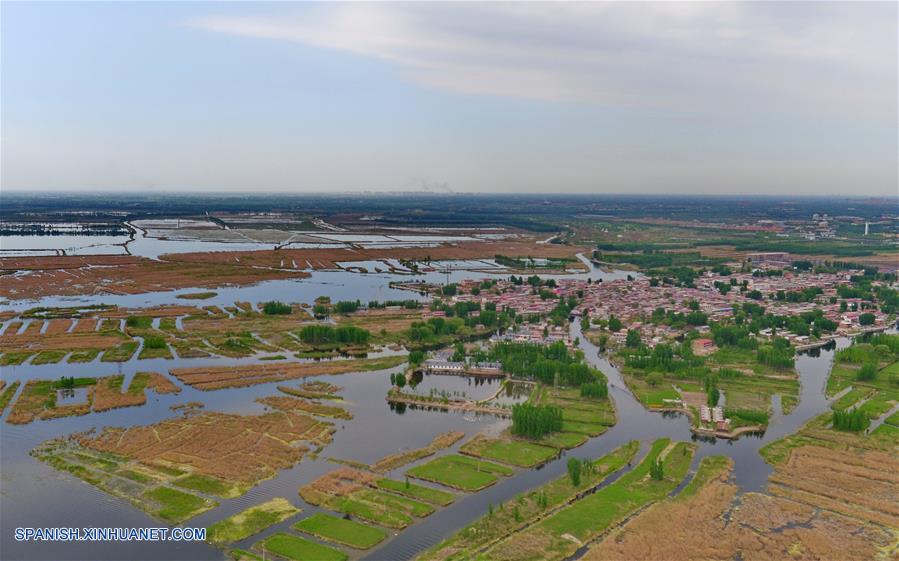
point(142, 485)
point(354, 492)
point(517, 513)
point(517, 452)
point(250, 521)
point(460, 472)
point(419, 492)
point(342, 531)
point(299, 549)
point(559, 534)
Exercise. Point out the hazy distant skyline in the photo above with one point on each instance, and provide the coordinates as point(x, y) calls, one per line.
point(709, 98)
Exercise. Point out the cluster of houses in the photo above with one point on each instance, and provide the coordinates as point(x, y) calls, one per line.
point(714, 416)
point(633, 302)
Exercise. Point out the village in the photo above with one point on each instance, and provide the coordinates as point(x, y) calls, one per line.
point(633, 301)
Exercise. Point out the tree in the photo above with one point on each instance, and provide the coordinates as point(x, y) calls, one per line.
point(853, 421)
point(633, 339)
point(867, 372)
point(535, 421)
point(657, 470)
point(416, 357)
point(614, 324)
point(574, 471)
point(866, 318)
point(654, 379)
point(275, 307)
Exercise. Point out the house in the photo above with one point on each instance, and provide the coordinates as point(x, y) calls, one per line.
point(445, 366)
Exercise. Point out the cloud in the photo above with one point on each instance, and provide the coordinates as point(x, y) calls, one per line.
point(837, 58)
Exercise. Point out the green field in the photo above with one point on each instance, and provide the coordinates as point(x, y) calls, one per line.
point(564, 440)
point(460, 472)
point(176, 506)
point(121, 353)
point(709, 468)
point(86, 355)
point(6, 395)
point(251, 521)
point(15, 358)
point(516, 452)
point(428, 494)
point(209, 485)
point(506, 518)
point(346, 532)
point(49, 357)
point(585, 518)
point(299, 549)
point(197, 295)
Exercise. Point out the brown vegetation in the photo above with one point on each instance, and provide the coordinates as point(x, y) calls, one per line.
point(714, 524)
point(283, 403)
point(216, 377)
point(238, 448)
point(863, 485)
point(37, 400)
point(108, 391)
point(121, 274)
point(340, 482)
point(126, 274)
point(393, 461)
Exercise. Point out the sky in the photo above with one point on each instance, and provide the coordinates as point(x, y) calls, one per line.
point(543, 97)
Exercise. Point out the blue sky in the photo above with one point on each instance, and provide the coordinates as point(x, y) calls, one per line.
point(763, 98)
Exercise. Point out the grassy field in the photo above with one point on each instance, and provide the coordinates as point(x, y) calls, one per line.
point(299, 549)
point(176, 506)
point(210, 486)
point(49, 357)
point(515, 514)
point(509, 451)
point(460, 472)
point(197, 295)
point(346, 532)
point(15, 358)
point(428, 494)
point(709, 468)
point(580, 416)
point(86, 355)
point(7, 394)
point(564, 440)
point(121, 353)
point(251, 521)
point(372, 505)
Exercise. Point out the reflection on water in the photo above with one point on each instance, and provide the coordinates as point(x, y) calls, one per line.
point(71, 396)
